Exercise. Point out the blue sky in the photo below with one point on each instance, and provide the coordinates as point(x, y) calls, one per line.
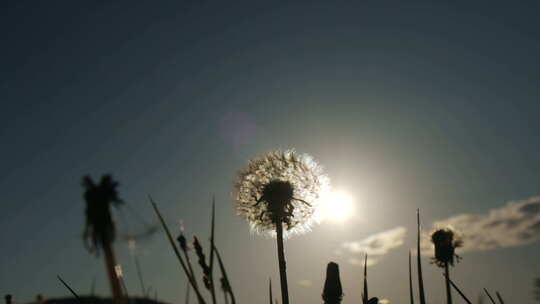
point(406, 105)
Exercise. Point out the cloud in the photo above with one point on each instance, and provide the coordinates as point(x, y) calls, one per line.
point(375, 245)
point(305, 283)
point(515, 224)
point(360, 262)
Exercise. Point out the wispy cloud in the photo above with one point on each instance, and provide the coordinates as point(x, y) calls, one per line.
point(305, 283)
point(375, 245)
point(515, 224)
point(360, 261)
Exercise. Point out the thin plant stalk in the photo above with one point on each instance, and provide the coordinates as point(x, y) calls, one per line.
point(124, 288)
point(139, 274)
point(177, 253)
point(282, 264)
point(183, 245)
point(410, 281)
point(225, 297)
point(447, 279)
point(211, 262)
point(499, 297)
point(489, 296)
point(365, 296)
point(110, 263)
point(69, 288)
point(270, 289)
point(419, 262)
point(190, 268)
point(188, 289)
point(119, 275)
point(460, 292)
point(225, 277)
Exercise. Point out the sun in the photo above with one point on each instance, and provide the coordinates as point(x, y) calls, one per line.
point(337, 206)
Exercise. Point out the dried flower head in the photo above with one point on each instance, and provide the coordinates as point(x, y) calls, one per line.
point(332, 292)
point(281, 186)
point(446, 240)
point(99, 228)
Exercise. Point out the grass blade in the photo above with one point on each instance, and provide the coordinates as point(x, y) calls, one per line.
point(499, 297)
point(176, 252)
point(410, 280)
point(211, 262)
point(188, 289)
point(139, 274)
point(183, 245)
point(69, 288)
point(419, 262)
point(365, 294)
point(459, 291)
point(270, 289)
point(489, 296)
point(225, 277)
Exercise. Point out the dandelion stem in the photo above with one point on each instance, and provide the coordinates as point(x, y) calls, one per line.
point(419, 262)
point(410, 280)
point(447, 279)
point(282, 264)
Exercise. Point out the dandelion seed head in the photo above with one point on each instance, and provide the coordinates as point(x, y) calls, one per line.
point(277, 178)
point(445, 241)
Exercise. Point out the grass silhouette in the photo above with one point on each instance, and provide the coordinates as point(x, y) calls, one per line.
point(277, 197)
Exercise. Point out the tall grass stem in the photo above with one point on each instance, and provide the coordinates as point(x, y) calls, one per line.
point(224, 274)
point(489, 296)
point(410, 280)
point(70, 289)
point(211, 262)
point(419, 262)
point(499, 297)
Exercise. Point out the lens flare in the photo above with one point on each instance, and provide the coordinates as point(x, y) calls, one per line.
point(337, 206)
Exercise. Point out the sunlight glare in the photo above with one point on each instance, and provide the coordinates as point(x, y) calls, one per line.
point(337, 206)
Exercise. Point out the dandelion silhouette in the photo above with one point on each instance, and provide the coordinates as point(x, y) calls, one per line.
point(446, 240)
point(279, 193)
point(281, 186)
point(99, 232)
